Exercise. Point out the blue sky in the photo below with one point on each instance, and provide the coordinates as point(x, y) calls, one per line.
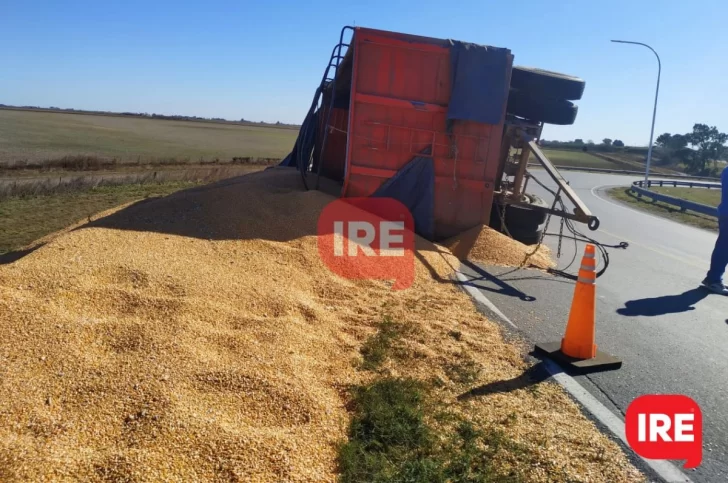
point(263, 60)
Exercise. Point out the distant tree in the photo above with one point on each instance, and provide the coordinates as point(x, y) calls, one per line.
point(678, 141)
point(584, 148)
point(663, 139)
point(607, 142)
point(578, 141)
point(590, 142)
point(672, 141)
point(618, 143)
point(673, 149)
point(708, 144)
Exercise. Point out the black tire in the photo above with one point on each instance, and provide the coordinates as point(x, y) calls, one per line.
point(550, 111)
point(527, 237)
point(544, 83)
point(519, 218)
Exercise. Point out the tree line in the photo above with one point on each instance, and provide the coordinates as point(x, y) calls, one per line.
point(606, 145)
point(168, 117)
point(699, 150)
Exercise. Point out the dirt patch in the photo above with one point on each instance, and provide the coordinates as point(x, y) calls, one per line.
point(485, 245)
point(240, 371)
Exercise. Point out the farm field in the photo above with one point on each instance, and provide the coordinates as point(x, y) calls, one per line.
point(34, 137)
point(576, 159)
point(26, 219)
point(637, 162)
point(37, 137)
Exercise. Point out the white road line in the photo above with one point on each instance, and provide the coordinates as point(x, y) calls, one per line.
point(653, 249)
point(666, 470)
point(478, 295)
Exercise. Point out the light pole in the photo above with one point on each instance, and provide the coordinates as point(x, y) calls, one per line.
point(654, 110)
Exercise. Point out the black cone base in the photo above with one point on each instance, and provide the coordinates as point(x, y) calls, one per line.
point(602, 361)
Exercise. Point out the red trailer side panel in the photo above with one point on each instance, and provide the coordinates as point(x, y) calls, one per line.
point(399, 96)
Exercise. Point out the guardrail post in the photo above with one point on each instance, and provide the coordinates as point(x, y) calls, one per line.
point(682, 204)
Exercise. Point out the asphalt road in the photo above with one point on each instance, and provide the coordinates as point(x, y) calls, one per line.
point(671, 335)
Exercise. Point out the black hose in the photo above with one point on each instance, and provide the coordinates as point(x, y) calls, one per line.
point(577, 236)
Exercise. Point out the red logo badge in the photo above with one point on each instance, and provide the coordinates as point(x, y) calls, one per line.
point(666, 427)
point(368, 238)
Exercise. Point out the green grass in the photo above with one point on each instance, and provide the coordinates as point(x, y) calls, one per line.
point(392, 440)
point(669, 211)
point(38, 136)
point(578, 159)
point(709, 197)
point(379, 346)
point(400, 432)
point(26, 219)
point(636, 162)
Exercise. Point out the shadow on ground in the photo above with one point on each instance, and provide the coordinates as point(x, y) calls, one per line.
point(13, 256)
point(494, 283)
point(534, 375)
point(666, 304)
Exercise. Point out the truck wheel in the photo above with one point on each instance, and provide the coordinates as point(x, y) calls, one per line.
point(527, 237)
point(520, 219)
point(543, 109)
point(544, 83)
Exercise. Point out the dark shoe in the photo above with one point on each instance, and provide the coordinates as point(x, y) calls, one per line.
point(716, 287)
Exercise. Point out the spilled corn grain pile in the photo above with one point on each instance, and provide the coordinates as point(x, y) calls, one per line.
point(199, 337)
point(486, 245)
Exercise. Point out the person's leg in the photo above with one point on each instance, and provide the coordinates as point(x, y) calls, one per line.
point(719, 259)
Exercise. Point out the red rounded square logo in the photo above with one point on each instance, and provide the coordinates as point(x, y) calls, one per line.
point(666, 426)
point(368, 238)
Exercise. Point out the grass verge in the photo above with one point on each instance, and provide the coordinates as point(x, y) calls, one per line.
point(400, 432)
point(698, 195)
point(392, 438)
point(25, 219)
point(663, 209)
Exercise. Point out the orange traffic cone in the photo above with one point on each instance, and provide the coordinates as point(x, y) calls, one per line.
point(578, 341)
point(578, 348)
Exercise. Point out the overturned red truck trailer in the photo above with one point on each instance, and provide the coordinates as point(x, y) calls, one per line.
point(438, 125)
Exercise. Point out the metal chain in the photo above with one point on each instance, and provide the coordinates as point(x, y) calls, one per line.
point(561, 237)
point(502, 214)
point(540, 242)
point(543, 232)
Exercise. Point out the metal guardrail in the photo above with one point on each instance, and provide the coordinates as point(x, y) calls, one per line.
point(625, 171)
point(675, 184)
point(638, 187)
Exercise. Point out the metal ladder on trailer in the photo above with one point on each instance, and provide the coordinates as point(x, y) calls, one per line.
point(328, 79)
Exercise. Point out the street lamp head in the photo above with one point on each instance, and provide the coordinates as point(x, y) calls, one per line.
point(654, 109)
